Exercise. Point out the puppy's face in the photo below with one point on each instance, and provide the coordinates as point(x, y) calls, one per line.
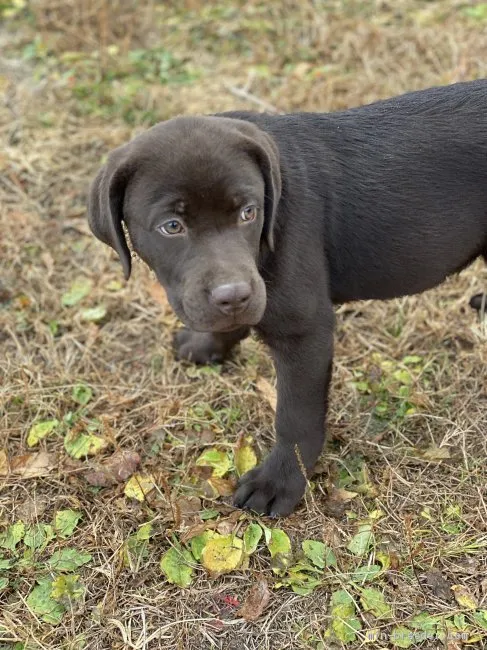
point(194, 194)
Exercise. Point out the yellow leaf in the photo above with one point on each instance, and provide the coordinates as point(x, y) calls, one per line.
point(245, 459)
point(268, 391)
point(463, 597)
point(435, 453)
point(41, 430)
point(222, 554)
point(139, 486)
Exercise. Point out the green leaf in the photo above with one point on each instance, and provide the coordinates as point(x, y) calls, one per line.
point(68, 559)
point(320, 554)
point(3, 583)
point(65, 521)
point(93, 314)
point(209, 513)
point(78, 290)
point(425, 622)
point(144, 532)
point(344, 623)
point(279, 546)
point(412, 359)
point(401, 637)
point(176, 566)
point(67, 588)
point(373, 601)
point(43, 605)
point(82, 394)
point(480, 618)
point(5, 564)
point(365, 573)
point(80, 445)
point(38, 536)
point(219, 460)
point(41, 430)
point(251, 538)
point(199, 542)
point(12, 536)
point(361, 542)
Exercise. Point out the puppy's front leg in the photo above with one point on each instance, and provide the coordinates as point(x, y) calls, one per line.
point(303, 367)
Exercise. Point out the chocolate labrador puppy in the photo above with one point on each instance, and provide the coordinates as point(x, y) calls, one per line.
point(265, 221)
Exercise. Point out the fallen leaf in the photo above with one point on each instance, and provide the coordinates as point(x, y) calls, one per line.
point(199, 542)
point(320, 555)
point(41, 430)
point(222, 487)
point(79, 445)
point(268, 391)
point(401, 637)
point(251, 538)
point(32, 465)
point(245, 459)
point(361, 542)
point(187, 511)
point(68, 559)
point(222, 554)
point(32, 509)
point(340, 494)
point(438, 584)
point(434, 453)
point(65, 521)
point(67, 588)
point(82, 394)
point(4, 467)
point(217, 459)
point(38, 536)
point(43, 605)
point(12, 536)
point(279, 546)
point(256, 602)
point(115, 469)
point(78, 290)
point(463, 597)
point(157, 293)
point(344, 623)
point(176, 566)
point(139, 486)
point(373, 601)
point(93, 314)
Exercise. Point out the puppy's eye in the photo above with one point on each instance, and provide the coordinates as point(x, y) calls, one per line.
point(249, 213)
point(172, 227)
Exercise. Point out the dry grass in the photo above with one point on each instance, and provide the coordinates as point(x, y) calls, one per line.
point(290, 56)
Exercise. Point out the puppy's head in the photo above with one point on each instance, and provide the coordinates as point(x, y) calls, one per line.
point(198, 196)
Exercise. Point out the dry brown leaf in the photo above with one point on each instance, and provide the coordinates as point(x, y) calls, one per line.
point(257, 600)
point(158, 294)
point(438, 584)
point(268, 391)
point(32, 465)
point(3, 463)
point(187, 511)
point(116, 469)
point(223, 487)
point(339, 494)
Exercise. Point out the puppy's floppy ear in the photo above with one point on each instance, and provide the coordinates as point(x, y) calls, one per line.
point(268, 159)
point(105, 209)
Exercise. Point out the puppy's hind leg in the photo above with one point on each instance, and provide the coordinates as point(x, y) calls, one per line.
point(206, 347)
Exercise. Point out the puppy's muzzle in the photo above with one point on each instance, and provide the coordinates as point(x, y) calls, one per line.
point(231, 299)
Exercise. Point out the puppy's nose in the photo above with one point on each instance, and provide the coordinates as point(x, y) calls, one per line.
point(231, 298)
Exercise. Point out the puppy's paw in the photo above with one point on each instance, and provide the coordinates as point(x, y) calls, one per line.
point(273, 488)
point(199, 347)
